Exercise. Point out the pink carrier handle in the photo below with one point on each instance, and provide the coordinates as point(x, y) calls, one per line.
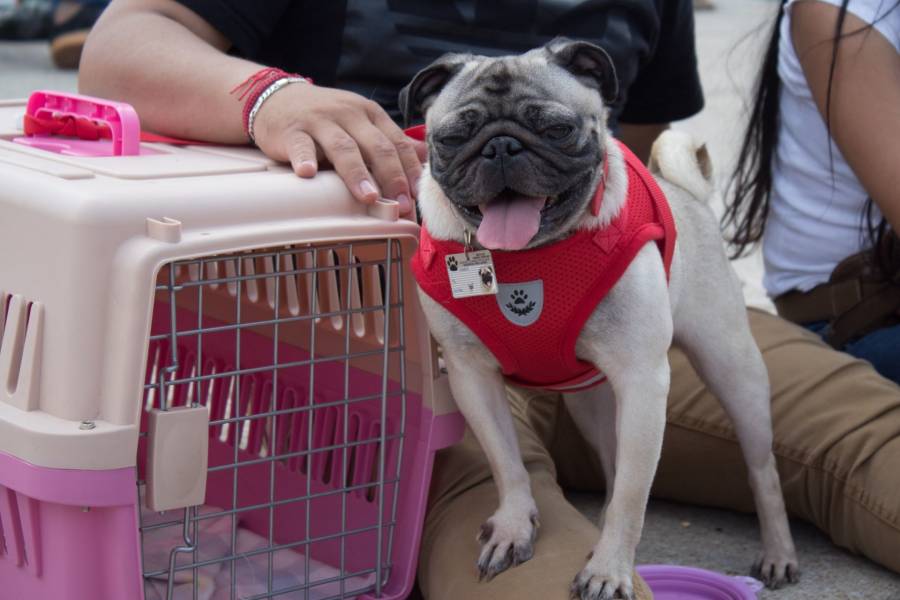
point(121, 119)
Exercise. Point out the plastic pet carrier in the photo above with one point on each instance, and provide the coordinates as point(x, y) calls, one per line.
point(215, 378)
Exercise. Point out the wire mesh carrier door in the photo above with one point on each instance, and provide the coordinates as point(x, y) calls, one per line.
point(296, 360)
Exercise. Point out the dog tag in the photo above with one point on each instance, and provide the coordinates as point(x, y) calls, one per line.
point(471, 274)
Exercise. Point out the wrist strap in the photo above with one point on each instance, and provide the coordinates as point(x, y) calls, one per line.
point(257, 88)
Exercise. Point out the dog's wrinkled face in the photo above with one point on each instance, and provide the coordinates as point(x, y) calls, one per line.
point(516, 143)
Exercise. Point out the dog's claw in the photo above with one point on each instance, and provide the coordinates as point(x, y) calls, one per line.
point(577, 588)
point(486, 531)
point(496, 559)
point(776, 572)
point(504, 545)
point(590, 585)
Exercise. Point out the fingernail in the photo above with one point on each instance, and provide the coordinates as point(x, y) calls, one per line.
point(309, 165)
point(367, 188)
point(405, 204)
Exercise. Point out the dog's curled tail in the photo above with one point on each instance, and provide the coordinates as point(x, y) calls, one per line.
point(678, 158)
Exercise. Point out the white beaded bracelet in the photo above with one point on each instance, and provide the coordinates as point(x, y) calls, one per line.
point(274, 87)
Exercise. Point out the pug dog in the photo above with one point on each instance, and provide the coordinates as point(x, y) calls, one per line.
point(520, 162)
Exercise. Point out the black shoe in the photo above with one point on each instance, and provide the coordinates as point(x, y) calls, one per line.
point(67, 38)
point(27, 20)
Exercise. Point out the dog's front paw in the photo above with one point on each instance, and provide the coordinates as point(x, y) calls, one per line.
point(603, 580)
point(507, 540)
point(776, 568)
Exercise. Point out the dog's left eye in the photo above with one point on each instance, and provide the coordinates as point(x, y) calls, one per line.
point(452, 140)
point(558, 132)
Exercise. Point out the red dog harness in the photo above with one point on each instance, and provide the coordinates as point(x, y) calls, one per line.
point(547, 293)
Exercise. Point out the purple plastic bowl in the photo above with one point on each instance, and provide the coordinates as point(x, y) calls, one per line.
point(688, 583)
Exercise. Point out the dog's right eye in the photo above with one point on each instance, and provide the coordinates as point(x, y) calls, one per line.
point(558, 132)
point(452, 140)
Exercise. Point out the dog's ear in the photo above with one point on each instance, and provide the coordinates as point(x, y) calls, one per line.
point(418, 95)
point(589, 63)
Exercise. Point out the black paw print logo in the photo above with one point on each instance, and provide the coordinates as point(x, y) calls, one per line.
point(520, 304)
point(451, 263)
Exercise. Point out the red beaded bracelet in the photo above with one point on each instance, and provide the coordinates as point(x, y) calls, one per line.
point(255, 86)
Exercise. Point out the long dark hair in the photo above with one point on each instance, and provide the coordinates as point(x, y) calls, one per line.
point(750, 186)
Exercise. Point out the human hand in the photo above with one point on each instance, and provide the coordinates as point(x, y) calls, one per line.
point(304, 124)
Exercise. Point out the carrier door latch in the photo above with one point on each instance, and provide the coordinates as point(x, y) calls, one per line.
point(177, 455)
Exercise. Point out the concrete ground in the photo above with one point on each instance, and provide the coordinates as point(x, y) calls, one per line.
point(729, 41)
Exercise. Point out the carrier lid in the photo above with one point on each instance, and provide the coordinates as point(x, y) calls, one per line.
point(43, 165)
point(119, 153)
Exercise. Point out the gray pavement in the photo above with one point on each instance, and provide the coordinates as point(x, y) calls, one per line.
point(25, 67)
point(729, 42)
point(727, 542)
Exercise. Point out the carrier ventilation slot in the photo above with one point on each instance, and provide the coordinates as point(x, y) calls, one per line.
point(4, 310)
point(329, 291)
point(20, 539)
point(339, 288)
point(357, 319)
point(234, 421)
point(20, 350)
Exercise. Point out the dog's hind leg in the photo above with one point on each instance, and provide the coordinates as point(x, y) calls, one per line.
point(594, 413)
point(716, 337)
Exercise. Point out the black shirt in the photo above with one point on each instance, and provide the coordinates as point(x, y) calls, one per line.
point(374, 47)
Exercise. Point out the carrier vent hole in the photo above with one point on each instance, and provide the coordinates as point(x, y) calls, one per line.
point(357, 319)
point(330, 289)
point(212, 273)
point(269, 268)
point(2, 539)
point(4, 312)
point(16, 336)
point(230, 274)
point(251, 282)
point(352, 438)
point(325, 436)
point(290, 284)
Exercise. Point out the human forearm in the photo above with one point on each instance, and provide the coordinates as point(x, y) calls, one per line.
point(174, 72)
point(171, 66)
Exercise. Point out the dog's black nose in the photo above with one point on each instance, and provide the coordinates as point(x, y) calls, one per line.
point(500, 146)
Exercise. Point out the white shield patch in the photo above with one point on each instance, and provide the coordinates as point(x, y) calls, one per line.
point(521, 303)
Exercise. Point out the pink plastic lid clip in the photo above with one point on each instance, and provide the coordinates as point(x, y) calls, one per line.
point(120, 119)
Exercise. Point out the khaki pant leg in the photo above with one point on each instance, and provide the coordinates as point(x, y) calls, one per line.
point(836, 439)
point(836, 426)
point(463, 496)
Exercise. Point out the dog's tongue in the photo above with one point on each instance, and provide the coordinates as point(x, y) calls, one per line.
point(510, 223)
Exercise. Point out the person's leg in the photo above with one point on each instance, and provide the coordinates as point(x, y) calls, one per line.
point(882, 349)
point(463, 496)
point(836, 440)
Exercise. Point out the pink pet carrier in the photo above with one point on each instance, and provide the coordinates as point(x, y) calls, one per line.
point(215, 379)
